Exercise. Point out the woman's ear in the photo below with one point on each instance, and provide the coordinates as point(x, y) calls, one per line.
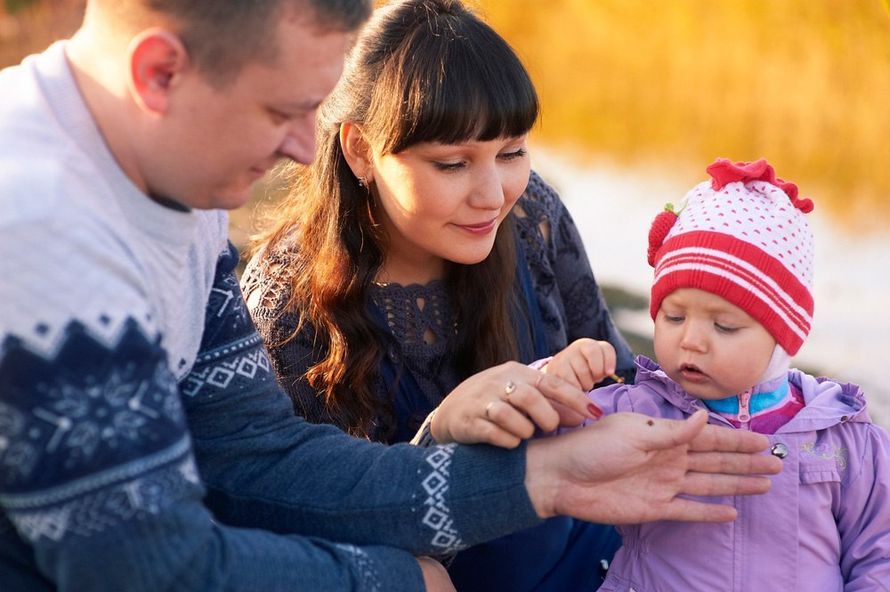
point(157, 58)
point(357, 152)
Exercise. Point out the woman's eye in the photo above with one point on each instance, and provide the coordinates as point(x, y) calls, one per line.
point(514, 155)
point(448, 166)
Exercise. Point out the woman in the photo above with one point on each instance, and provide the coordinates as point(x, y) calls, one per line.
point(418, 250)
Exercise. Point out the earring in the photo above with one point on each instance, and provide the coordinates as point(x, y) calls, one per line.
point(362, 182)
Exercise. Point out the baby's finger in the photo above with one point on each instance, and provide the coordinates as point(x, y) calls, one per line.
point(586, 368)
point(610, 359)
point(601, 359)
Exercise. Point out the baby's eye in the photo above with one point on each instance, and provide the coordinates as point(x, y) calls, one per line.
point(725, 328)
point(673, 318)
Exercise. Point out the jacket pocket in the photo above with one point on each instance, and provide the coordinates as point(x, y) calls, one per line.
point(819, 471)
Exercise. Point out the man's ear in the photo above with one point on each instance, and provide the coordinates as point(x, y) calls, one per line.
point(157, 57)
point(356, 151)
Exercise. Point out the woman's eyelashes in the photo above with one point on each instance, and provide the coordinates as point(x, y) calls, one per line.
point(460, 164)
point(449, 166)
point(514, 155)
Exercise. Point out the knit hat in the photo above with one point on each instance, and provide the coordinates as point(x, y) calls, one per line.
point(743, 237)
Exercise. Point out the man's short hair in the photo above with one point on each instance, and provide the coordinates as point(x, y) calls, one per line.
point(222, 36)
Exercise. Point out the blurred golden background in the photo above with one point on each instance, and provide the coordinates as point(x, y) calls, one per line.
point(805, 83)
point(674, 84)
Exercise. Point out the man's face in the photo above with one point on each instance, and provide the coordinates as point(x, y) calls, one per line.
point(219, 141)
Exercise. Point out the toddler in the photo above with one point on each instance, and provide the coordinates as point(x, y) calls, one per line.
point(732, 302)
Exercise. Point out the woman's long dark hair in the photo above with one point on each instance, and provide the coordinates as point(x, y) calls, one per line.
point(421, 70)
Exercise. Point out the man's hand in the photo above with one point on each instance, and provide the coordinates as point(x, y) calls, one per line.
point(435, 577)
point(629, 468)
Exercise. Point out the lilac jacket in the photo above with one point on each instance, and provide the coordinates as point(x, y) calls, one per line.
point(824, 525)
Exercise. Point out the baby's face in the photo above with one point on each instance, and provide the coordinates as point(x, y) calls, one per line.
point(710, 347)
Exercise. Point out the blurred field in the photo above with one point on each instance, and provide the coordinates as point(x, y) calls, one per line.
point(805, 83)
point(668, 86)
point(28, 26)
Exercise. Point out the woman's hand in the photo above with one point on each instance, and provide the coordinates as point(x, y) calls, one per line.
point(583, 363)
point(502, 405)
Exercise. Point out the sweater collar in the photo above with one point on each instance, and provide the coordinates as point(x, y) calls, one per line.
point(172, 227)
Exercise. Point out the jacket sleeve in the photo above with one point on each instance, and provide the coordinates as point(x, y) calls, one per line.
point(585, 309)
point(99, 489)
point(862, 516)
point(266, 468)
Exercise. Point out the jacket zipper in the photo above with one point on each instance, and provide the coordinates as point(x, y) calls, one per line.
point(744, 410)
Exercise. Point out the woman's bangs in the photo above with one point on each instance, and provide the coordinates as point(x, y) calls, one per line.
point(467, 91)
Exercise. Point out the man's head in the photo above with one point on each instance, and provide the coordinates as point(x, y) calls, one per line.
point(223, 35)
point(198, 99)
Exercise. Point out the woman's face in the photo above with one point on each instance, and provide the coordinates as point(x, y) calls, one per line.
point(445, 202)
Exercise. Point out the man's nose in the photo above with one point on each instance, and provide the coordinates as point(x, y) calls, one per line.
point(299, 143)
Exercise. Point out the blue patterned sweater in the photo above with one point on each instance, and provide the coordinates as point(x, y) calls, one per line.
point(144, 442)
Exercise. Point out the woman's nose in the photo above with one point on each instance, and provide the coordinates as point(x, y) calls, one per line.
point(488, 189)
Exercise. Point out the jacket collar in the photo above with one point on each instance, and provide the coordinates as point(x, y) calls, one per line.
point(827, 402)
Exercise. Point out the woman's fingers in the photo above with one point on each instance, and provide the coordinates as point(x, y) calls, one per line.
point(506, 417)
point(534, 405)
point(560, 391)
point(503, 405)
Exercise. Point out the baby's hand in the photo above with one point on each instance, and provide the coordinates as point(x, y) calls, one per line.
point(583, 363)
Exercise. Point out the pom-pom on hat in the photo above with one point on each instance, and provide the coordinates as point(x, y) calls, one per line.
point(742, 236)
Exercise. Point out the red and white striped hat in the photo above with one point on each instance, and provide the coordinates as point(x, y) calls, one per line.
point(743, 237)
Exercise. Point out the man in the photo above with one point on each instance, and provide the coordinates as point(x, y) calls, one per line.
point(144, 444)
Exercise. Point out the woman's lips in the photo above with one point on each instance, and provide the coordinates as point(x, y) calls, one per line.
point(483, 228)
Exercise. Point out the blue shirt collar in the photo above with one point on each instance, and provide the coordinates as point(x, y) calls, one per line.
point(765, 396)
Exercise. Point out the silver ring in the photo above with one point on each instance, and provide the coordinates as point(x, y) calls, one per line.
point(509, 388)
point(488, 409)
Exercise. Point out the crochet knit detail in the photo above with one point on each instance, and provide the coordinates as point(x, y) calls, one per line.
point(417, 315)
